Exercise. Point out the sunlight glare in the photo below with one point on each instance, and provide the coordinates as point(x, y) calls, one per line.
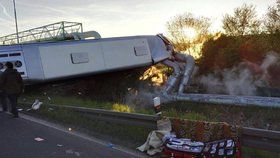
point(190, 33)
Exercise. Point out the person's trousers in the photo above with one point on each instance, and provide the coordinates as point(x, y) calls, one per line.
point(13, 100)
point(3, 101)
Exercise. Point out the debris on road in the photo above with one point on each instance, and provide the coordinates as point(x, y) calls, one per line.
point(69, 151)
point(36, 105)
point(110, 145)
point(59, 145)
point(77, 153)
point(155, 140)
point(38, 139)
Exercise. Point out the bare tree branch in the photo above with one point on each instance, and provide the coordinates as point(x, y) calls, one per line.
point(272, 20)
point(182, 42)
point(243, 22)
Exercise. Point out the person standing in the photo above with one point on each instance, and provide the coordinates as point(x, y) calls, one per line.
point(13, 86)
point(2, 94)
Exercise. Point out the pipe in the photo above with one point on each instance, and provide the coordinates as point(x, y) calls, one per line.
point(189, 66)
point(207, 98)
point(84, 35)
point(228, 99)
point(88, 34)
point(174, 79)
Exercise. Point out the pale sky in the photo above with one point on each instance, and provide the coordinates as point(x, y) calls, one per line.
point(113, 18)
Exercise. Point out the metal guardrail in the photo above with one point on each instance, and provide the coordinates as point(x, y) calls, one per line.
point(251, 137)
point(134, 119)
point(116, 117)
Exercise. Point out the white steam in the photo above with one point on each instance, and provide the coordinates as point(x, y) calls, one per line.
point(269, 60)
point(143, 97)
point(240, 80)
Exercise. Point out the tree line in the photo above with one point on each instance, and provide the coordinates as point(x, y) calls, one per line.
point(244, 21)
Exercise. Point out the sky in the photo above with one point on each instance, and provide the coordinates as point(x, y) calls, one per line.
point(113, 18)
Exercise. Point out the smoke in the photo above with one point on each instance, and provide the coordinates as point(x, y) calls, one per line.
point(269, 60)
point(143, 97)
point(242, 79)
point(140, 98)
point(150, 85)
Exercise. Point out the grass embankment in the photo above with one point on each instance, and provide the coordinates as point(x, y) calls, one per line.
point(250, 116)
point(135, 136)
point(253, 116)
point(119, 134)
point(168, 110)
point(82, 102)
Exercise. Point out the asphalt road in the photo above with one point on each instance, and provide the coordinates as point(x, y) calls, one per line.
point(17, 140)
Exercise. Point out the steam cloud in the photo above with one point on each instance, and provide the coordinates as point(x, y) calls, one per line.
point(242, 79)
point(144, 97)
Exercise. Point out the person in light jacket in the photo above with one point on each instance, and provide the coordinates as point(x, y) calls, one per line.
point(13, 86)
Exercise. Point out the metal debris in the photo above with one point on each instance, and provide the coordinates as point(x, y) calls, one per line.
point(36, 105)
point(38, 139)
point(110, 145)
point(59, 145)
point(77, 153)
point(70, 151)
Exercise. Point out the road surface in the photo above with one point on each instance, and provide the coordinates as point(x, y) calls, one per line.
point(17, 140)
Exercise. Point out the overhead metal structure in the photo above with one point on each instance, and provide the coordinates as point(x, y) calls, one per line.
point(56, 31)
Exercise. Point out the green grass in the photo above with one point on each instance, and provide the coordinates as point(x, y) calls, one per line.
point(251, 116)
point(76, 101)
point(73, 101)
point(134, 136)
point(130, 136)
point(254, 153)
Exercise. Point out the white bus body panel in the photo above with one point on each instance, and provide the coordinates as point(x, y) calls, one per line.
point(57, 62)
point(65, 59)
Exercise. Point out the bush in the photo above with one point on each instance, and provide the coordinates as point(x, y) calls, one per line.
point(227, 51)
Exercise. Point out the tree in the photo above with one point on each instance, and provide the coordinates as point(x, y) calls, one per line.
point(243, 22)
point(272, 21)
point(188, 32)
